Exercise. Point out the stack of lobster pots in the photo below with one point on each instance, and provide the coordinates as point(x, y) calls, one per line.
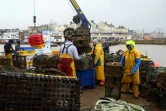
point(113, 77)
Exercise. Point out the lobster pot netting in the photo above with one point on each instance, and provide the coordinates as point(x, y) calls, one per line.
point(144, 66)
point(40, 61)
point(113, 69)
point(53, 62)
point(83, 64)
point(112, 58)
point(113, 77)
point(161, 79)
point(153, 72)
point(49, 71)
point(31, 92)
point(158, 97)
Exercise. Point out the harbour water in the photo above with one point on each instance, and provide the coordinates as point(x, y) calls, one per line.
point(156, 52)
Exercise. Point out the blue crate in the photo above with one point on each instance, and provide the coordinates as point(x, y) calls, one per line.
point(27, 48)
point(87, 77)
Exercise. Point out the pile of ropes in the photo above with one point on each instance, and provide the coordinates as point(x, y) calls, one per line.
point(110, 104)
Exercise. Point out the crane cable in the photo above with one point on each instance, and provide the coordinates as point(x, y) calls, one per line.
point(71, 7)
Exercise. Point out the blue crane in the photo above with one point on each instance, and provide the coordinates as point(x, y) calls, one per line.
point(80, 15)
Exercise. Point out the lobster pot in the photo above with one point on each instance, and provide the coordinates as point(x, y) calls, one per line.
point(144, 66)
point(82, 31)
point(30, 92)
point(113, 69)
point(53, 62)
point(40, 61)
point(161, 80)
point(49, 71)
point(19, 62)
point(113, 77)
point(113, 87)
point(83, 64)
point(158, 97)
point(5, 61)
point(145, 89)
point(81, 42)
point(112, 58)
point(153, 72)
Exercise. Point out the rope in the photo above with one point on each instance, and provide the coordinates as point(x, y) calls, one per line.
point(110, 104)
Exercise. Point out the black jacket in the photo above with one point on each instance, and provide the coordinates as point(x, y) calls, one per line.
point(7, 48)
point(106, 47)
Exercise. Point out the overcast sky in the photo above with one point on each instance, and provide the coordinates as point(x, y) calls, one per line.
point(133, 14)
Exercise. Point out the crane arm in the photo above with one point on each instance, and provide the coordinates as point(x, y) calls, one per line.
point(80, 14)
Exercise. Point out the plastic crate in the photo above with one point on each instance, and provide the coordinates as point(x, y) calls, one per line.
point(26, 52)
point(87, 77)
point(27, 48)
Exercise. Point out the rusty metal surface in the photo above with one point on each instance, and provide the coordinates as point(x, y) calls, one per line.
point(30, 92)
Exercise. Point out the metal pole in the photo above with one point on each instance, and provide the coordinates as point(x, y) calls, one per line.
point(34, 7)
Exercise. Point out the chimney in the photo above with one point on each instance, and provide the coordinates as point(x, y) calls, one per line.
point(105, 22)
point(92, 21)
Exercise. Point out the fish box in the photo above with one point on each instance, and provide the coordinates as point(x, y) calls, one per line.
point(87, 77)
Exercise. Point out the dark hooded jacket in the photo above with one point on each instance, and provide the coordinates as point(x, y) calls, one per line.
point(8, 47)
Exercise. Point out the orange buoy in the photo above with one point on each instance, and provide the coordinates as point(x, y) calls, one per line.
point(156, 64)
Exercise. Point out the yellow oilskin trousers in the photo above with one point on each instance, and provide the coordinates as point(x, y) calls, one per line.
point(72, 65)
point(9, 56)
point(98, 57)
point(135, 88)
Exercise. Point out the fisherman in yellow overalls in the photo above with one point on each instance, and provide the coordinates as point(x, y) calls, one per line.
point(9, 50)
point(98, 61)
point(131, 61)
point(68, 53)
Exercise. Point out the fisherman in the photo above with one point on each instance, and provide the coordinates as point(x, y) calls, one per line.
point(98, 61)
point(106, 46)
point(131, 61)
point(9, 50)
point(17, 46)
point(68, 53)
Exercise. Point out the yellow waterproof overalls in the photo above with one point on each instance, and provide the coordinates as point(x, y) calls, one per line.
point(98, 59)
point(9, 56)
point(66, 63)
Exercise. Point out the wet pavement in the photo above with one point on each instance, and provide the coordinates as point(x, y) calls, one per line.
point(89, 97)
